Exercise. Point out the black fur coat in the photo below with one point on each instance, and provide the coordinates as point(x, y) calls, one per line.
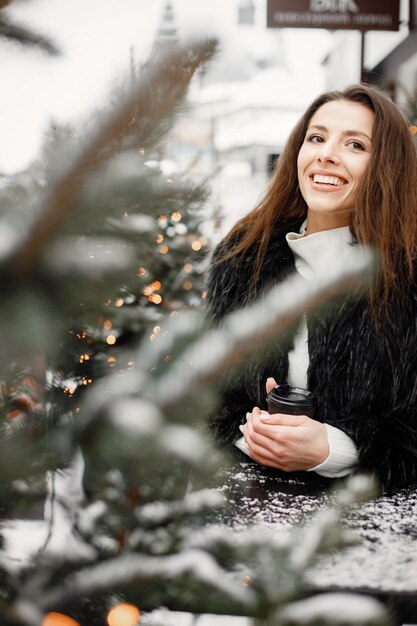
point(365, 381)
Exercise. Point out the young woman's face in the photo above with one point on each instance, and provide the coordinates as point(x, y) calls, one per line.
point(332, 161)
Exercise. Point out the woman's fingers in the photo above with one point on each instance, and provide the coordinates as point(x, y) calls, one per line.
point(263, 457)
point(260, 448)
point(263, 419)
point(270, 384)
point(289, 442)
point(258, 439)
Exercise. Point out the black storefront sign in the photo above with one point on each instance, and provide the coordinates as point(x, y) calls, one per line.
point(334, 14)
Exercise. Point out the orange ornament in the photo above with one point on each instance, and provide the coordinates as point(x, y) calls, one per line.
point(123, 614)
point(58, 619)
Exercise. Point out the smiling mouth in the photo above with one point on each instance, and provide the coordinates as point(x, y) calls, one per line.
point(332, 181)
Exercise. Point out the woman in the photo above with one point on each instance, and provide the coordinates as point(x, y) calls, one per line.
point(347, 177)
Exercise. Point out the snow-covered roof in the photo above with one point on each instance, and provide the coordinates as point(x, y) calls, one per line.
point(269, 130)
point(274, 86)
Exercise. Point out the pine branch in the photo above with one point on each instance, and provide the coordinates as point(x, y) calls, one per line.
point(20, 34)
point(278, 564)
point(157, 514)
point(106, 141)
point(141, 569)
point(333, 609)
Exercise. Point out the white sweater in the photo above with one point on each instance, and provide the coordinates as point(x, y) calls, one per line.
point(311, 253)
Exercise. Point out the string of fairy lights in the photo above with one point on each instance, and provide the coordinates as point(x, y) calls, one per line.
point(152, 291)
point(122, 614)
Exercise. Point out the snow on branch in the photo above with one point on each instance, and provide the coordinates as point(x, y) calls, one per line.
point(160, 513)
point(335, 609)
point(139, 568)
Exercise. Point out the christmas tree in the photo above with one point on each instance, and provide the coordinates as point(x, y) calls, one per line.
point(100, 267)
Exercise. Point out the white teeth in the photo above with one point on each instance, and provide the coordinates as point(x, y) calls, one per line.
point(329, 180)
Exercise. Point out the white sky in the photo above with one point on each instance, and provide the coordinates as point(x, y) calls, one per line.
point(95, 37)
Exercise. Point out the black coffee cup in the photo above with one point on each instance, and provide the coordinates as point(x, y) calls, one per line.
point(291, 401)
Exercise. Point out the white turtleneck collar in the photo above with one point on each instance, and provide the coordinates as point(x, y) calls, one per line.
point(313, 252)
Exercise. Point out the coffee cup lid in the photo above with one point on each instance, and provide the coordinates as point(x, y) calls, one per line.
point(286, 394)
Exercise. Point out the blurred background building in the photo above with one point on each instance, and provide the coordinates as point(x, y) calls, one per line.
point(390, 58)
point(243, 108)
point(246, 105)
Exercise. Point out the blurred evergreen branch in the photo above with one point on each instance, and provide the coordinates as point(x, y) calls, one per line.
point(213, 570)
point(19, 34)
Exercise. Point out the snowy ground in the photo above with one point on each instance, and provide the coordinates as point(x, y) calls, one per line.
point(385, 558)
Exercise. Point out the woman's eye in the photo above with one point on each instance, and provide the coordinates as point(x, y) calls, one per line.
point(356, 145)
point(315, 138)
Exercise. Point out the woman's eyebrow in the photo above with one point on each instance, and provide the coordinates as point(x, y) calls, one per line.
point(348, 133)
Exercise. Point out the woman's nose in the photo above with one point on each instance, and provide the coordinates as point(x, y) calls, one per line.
point(328, 152)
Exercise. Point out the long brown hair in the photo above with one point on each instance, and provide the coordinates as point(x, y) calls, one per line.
point(386, 202)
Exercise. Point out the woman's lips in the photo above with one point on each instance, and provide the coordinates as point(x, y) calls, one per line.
point(322, 182)
point(331, 179)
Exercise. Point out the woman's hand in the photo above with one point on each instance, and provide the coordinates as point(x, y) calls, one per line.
point(287, 442)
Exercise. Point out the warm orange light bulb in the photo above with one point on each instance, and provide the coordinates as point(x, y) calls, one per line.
point(58, 619)
point(123, 615)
